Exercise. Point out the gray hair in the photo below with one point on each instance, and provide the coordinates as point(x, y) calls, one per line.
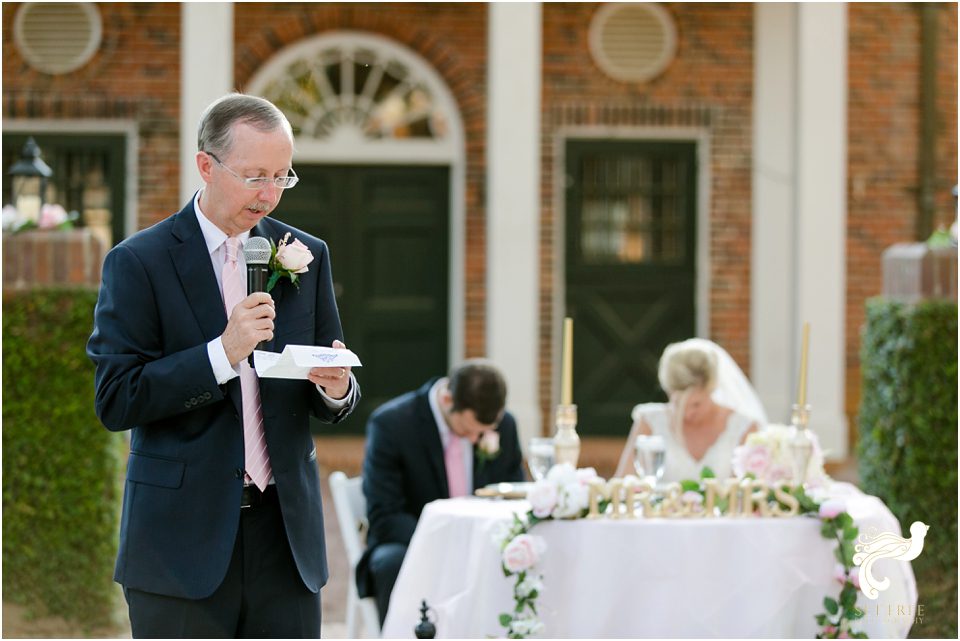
point(215, 133)
point(686, 365)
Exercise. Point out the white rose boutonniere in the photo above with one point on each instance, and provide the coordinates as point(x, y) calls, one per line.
point(488, 447)
point(287, 260)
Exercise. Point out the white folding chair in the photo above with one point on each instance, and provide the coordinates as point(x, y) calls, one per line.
point(351, 507)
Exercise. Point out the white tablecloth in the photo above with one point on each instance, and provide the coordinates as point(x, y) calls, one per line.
point(722, 577)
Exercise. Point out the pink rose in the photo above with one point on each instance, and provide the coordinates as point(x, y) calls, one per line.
point(543, 498)
point(490, 442)
point(294, 256)
point(843, 635)
point(831, 508)
point(839, 573)
point(523, 552)
point(757, 460)
point(829, 629)
point(51, 216)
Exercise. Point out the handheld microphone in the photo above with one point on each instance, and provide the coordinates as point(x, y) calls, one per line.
point(256, 253)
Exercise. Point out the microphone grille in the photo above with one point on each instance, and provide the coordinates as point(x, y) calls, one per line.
point(256, 251)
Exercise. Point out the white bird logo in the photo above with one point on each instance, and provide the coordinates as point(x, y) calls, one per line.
point(886, 545)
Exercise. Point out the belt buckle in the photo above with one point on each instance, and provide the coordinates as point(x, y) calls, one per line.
point(247, 497)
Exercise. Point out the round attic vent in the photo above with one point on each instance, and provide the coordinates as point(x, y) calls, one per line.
point(57, 37)
point(632, 42)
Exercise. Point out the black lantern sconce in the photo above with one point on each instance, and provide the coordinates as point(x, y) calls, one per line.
point(29, 178)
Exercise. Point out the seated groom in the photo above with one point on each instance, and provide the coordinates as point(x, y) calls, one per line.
point(443, 440)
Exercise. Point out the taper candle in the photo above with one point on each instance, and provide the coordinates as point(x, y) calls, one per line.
point(802, 390)
point(566, 378)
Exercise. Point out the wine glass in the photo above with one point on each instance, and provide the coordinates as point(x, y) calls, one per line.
point(540, 457)
point(650, 458)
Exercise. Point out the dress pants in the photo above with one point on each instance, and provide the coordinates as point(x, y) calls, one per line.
point(262, 594)
point(385, 562)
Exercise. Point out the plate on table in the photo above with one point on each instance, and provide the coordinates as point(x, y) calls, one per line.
point(504, 490)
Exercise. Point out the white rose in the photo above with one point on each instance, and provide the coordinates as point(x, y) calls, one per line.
point(574, 499)
point(294, 256)
point(543, 498)
point(490, 442)
point(502, 531)
point(586, 474)
point(523, 552)
point(525, 627)
point(530, 585)
point(562, 474)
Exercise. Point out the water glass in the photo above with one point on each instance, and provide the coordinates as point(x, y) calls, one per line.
point(650, 458)
point(540, 457)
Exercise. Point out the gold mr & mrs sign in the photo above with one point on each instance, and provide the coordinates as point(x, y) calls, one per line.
point(747, 497)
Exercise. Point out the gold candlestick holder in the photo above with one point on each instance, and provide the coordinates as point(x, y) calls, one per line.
point(566, 442)
point(801, 443)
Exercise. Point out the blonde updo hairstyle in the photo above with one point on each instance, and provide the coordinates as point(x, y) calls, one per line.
point(685, 366)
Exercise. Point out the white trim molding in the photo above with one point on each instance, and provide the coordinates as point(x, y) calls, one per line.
point(799, 208)
point(513, 204)
point(206, 73)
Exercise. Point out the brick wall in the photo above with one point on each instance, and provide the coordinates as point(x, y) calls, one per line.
point(884, 145)
point(452, 38)
point(709, 86)
point(135, 75)
point(37, 259)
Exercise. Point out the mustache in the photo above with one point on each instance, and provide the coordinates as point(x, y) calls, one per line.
point(260, 206)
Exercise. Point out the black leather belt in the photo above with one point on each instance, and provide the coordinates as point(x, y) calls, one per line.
point(252, 496)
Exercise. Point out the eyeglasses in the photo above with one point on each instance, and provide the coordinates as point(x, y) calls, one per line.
point(281, 182)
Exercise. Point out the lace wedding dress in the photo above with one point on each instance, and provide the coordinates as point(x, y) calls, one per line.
point(680, 464)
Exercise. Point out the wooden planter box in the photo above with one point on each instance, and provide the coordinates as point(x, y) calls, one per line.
point(35, 259)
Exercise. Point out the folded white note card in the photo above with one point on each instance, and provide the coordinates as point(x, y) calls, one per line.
point(296, 361)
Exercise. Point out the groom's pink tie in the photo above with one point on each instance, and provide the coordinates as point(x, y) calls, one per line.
point(254, 442)
point(456, 472)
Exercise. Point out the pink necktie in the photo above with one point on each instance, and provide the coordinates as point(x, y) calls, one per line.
point(255, 455)
point(456, 474)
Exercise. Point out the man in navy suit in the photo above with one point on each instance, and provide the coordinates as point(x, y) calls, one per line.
point(431, 444)
point(222, 526)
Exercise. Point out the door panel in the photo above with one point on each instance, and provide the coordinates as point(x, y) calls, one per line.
point(631, 267)
point(387, 228)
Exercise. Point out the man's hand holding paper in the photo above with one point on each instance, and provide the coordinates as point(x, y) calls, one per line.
point(328, 367)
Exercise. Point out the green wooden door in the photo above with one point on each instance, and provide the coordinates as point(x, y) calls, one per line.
point(387, 228)
point(630, 271)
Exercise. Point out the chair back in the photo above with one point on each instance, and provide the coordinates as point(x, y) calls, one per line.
point(351, 507)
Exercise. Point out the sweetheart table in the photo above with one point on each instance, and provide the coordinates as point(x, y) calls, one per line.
point(654, 577)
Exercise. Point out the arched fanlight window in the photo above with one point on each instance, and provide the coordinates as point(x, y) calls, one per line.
point(356, 86)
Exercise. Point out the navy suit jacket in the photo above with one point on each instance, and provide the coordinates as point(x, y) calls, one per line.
point(159, 305)
point(404, 469)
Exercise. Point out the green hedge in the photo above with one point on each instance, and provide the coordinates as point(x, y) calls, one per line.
point(61, 468)
point(908, 438)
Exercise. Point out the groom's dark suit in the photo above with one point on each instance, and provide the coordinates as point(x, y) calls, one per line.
point(403, 470)
point(159, 306)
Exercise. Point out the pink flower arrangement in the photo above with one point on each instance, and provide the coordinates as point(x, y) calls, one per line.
point(766, 456)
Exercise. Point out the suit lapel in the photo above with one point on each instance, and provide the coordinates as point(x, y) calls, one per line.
point(195, 271)
point(430, 435)
point(192, 262)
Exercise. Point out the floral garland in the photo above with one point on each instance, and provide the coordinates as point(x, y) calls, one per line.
point(564, 494)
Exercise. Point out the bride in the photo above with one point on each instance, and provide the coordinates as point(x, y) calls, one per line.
point(712, 409)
